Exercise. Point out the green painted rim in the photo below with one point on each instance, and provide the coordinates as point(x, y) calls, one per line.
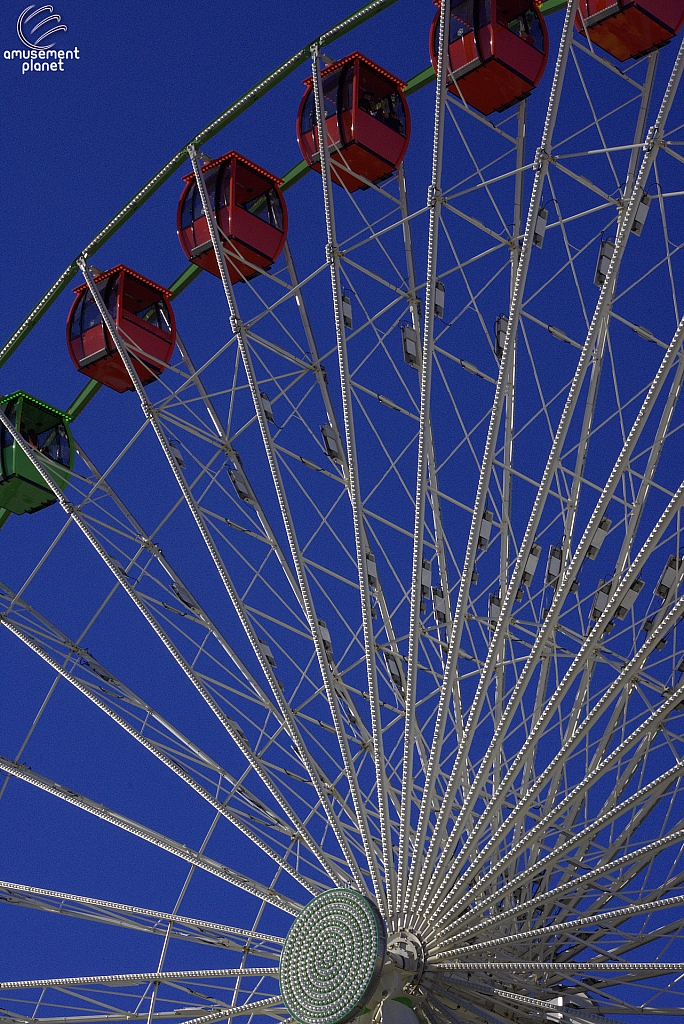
point(332, 958)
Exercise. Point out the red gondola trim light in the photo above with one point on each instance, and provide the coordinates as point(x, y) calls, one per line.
point(329, 69)
point(92, 350)
point(131, 273)
point(243, 160)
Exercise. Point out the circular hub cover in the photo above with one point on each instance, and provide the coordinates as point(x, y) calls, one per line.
point(332, 958)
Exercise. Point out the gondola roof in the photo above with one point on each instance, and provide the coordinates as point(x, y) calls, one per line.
point(131, 273)
point(37, 401)
point(356, 55)
point(243, 160)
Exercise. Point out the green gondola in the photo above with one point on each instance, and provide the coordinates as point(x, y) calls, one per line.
point(46, 430)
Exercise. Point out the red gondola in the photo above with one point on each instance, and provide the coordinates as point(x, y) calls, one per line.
point(497, 51)
point(367, 118)
point(630, 28)
point(143, 318)
point(252, 217)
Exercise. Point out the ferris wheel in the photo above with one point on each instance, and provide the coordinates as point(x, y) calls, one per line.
point(384, 579)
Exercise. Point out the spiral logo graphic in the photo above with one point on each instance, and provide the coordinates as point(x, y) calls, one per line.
point(332, 958)
point(30, 25)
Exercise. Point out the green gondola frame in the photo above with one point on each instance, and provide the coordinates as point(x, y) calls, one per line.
point(22, 487)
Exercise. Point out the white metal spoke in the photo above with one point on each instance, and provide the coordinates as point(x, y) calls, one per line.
point(140, 918)
point(135, 828)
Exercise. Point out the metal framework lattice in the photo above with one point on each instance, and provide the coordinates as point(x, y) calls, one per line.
point(414, 553)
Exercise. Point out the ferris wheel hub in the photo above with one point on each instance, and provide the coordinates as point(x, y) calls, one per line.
point(333, 957)
point(407, 952)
